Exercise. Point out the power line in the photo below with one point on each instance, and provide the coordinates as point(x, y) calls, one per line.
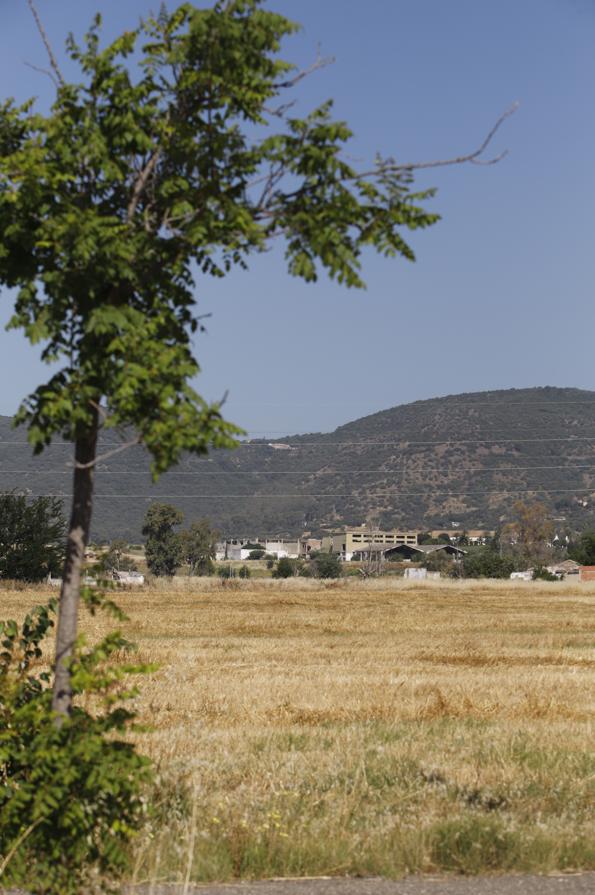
point(327, 495)
point(405, 442)
point(325, 444)
point(399, 470)
point(284, 433)
point(280, 437)
point(445, 403)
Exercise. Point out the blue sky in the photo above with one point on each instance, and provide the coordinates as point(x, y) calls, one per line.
point(501, 293)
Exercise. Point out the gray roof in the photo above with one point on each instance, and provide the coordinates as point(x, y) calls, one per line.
point(372, 548)
point(427, 548)
point(417, 548)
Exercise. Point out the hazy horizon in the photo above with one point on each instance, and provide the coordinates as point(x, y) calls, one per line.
point(272, 433)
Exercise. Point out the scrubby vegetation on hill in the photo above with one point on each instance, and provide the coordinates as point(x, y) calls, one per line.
point(464, 458)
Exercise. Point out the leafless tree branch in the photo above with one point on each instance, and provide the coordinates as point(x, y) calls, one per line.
point(43, 71)
point(100, 457)
point(472, 157)
point(279, 111)
point(263, 209)
point(274, 177)
point(319, 62)
point(53, 62)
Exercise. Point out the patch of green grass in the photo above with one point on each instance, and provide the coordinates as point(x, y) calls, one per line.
point(473, 844)
point(299, 802)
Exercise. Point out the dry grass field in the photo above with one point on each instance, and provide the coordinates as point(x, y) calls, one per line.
point(381, 727)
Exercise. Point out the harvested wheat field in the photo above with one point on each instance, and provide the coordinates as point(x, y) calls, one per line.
point(304, 728)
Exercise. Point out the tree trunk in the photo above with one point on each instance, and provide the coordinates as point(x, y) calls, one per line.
point(78, 536)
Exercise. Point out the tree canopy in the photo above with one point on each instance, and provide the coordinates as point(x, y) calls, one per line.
point(583, 549)
point(163, 547)
point(145, 174)
point(487, 563)
point(32, 537)
point(199, 543)
point(528, 537)
point(174, 156)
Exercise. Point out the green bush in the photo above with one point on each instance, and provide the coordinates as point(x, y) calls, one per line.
point(115, 559)
point(244, 572)
point(487, 563)
point(256, 554)
point(288, 568)
point(32, 537)
point(326, 565)
point(540, 573)
point(72, 794)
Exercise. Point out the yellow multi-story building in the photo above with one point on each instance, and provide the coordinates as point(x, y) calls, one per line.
point(353, 540)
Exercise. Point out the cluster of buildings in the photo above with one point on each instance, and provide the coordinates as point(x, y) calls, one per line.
point(359, 543)
point(560, 570)
point(277, 548)
point(375, 547)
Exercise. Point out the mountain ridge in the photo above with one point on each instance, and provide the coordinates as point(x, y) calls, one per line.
point(465, 457)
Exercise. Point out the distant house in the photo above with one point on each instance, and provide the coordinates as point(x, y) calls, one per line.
point(560, 569)
point(238, 551)
point(564, 568)
point(416, 552)
point(237, 548)
point(132, 579)
point(283, 549)
point(309, 545)
point(421, 574)
point(370, 552)
point(354, 540)
point(475, 536)
point(407, 552)
point(241, 548)
point(587, 573)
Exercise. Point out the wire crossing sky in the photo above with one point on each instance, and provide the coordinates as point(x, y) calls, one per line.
point(501, 294)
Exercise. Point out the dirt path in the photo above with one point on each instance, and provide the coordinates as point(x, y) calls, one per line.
point(564, 884)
